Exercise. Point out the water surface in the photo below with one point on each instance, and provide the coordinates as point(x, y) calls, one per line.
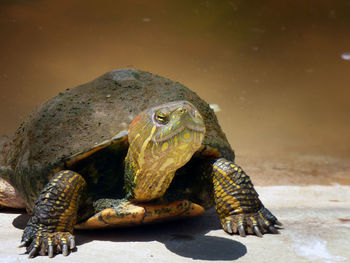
point(279, 70)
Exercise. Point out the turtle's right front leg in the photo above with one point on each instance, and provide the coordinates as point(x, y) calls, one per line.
point(50, 229)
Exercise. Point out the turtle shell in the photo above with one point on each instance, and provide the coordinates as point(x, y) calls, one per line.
point(82, 118)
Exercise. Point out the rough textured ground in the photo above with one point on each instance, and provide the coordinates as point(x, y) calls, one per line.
point(316, 229)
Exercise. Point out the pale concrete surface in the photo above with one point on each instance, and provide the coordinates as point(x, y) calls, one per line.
point(316, 229)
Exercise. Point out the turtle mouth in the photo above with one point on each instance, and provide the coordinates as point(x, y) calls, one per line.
point(191, 128)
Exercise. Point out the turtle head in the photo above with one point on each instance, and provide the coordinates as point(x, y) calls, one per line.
point(163, 139)
point(174, 129)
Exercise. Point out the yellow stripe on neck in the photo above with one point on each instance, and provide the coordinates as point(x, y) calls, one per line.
point(141, 158)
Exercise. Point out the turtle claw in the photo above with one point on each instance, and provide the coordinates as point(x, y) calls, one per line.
point(50, 251)
point(278, 223)
point(257, 231)
point(257, 223)
point(273, 230)
point(229, 227)
point(241, 231)
point(23, 243)
point(33, 252)
point(71, 242)
point(44, 243)
point(65, 250)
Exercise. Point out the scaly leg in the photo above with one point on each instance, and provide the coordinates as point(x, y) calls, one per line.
point(50, 229)
point(237, 202)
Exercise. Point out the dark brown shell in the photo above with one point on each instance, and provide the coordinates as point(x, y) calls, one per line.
point(81, 117)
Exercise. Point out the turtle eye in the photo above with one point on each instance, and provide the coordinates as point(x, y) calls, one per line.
point(162, 117)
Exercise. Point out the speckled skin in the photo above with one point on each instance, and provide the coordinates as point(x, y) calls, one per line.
point(50, 228)
point(237, 202)
point(77, 130)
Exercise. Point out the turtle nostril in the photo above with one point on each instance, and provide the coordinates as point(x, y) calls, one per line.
point(182, 110)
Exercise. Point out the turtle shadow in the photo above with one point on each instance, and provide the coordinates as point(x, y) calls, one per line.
point(186, 238)
point(21, 221)
point(206, 247)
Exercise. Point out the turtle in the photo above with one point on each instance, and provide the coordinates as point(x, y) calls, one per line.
point(125, 149)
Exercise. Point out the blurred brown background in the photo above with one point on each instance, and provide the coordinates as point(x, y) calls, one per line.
point(279, 70)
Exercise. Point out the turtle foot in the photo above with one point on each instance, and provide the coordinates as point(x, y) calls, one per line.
point(258, 223)
point(44, 243)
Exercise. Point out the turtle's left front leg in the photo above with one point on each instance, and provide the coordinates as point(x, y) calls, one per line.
point(237, 202)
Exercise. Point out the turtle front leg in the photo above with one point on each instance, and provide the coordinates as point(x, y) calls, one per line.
point(237, 202)
point(50, 229)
